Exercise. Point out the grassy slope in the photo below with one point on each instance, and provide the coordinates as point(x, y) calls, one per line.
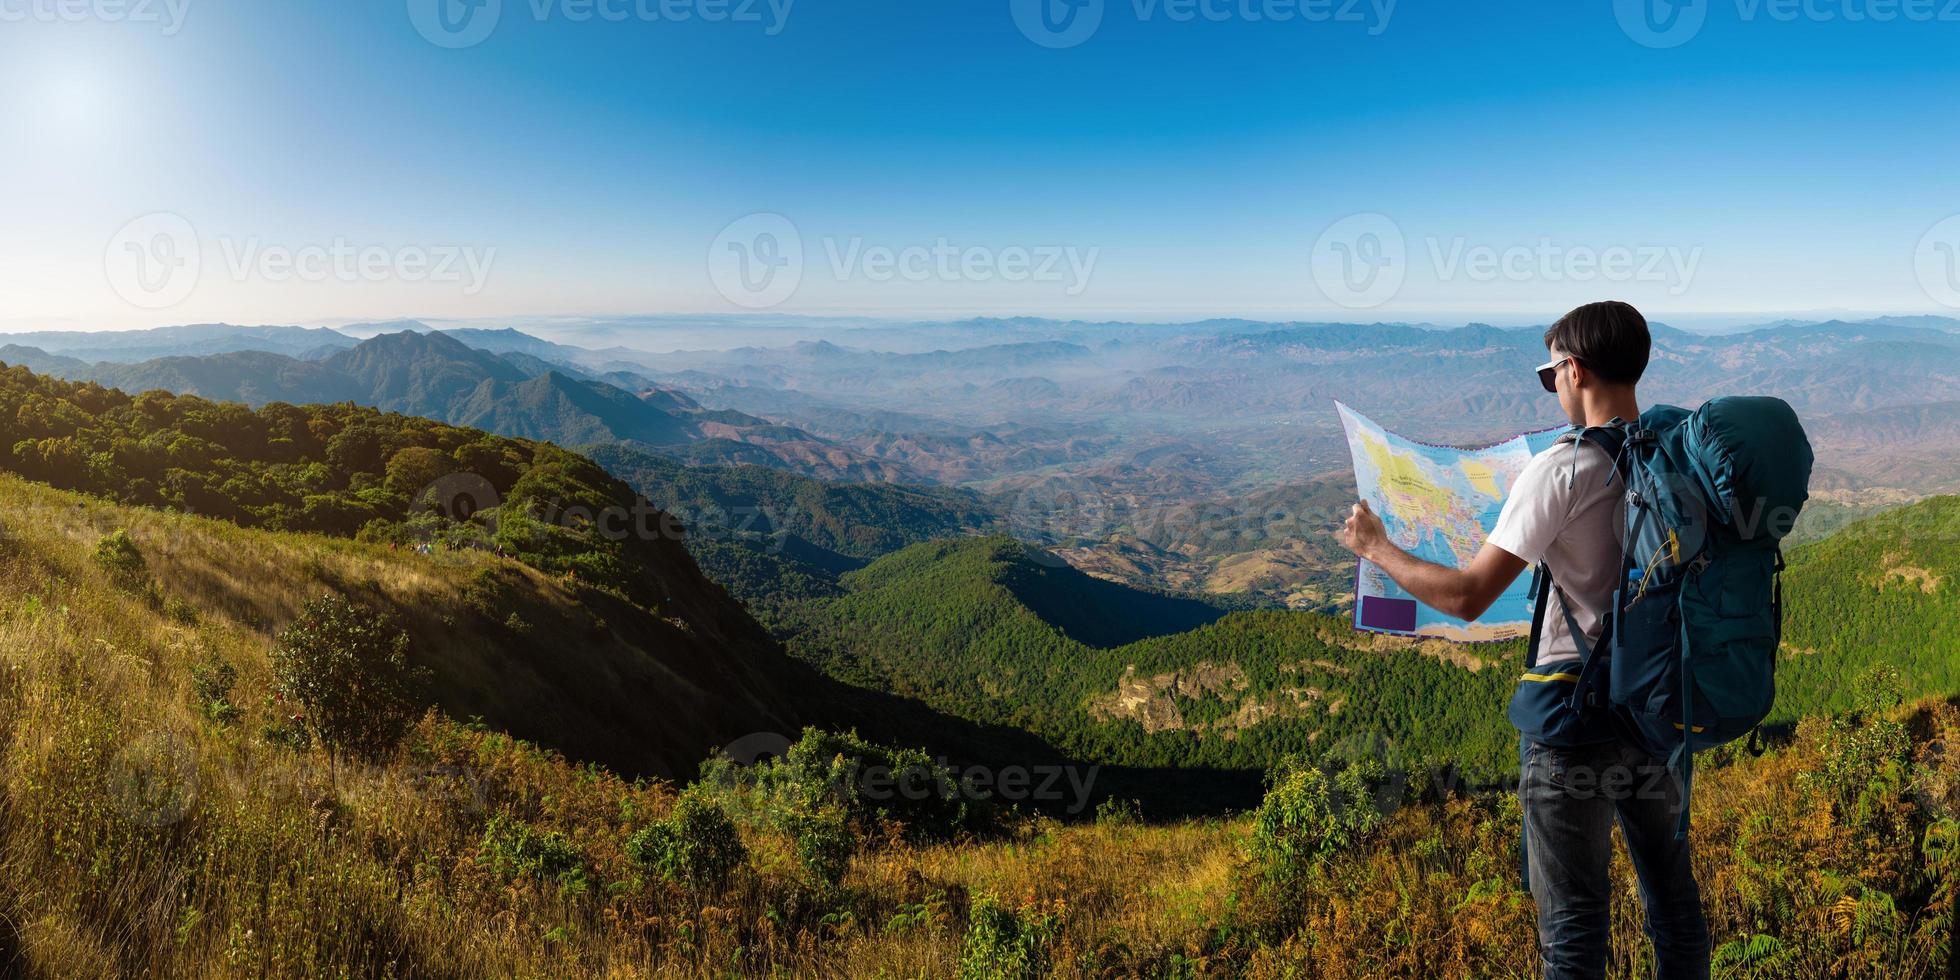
point(138, 838)
point(578, 669)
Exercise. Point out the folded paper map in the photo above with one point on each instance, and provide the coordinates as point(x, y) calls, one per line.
point(1438, 504)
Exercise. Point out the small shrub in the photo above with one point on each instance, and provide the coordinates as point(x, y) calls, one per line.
point(1305, 817)
point(878, 787)
point(824, 845)
point(118, 554)
point(1118, 812)
point(180, 611)
point(346, 666)
point(697, 844)
point(514, 849)
point(1001, 944)
point(212, 680)
point(488, 593)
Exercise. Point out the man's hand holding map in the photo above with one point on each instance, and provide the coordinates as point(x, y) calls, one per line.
point(1438, 504)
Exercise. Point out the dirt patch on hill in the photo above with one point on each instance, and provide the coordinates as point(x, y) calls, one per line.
point(1153, 699)
point(1907, 575)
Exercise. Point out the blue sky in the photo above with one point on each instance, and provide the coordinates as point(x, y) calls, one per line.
point(1775, 161)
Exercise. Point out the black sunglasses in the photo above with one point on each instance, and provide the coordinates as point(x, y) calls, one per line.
point(1548, 373)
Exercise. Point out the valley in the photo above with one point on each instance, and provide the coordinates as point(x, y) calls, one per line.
point(1087, 685)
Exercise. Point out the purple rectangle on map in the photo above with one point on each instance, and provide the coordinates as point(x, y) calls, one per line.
point(1384, 613)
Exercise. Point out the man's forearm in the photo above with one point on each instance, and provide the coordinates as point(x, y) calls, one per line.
point(1440, 587)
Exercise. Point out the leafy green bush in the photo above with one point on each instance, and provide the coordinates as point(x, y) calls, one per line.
point(212, 680)
point(514, 849)
point(824, 845)
point(347, 668)
point(1867, 755)
point(1306, 817)
point(1002, 944)
point(697, 844)
point(1116, 811)
point(117, 553)
point(880, 787)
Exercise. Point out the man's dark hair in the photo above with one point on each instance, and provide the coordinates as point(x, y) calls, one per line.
point(1609, 338)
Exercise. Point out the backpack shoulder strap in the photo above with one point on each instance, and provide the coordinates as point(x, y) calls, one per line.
point(1589, 661)
point(1541, 588)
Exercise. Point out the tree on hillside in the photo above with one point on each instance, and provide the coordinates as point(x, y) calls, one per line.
point(346, 667)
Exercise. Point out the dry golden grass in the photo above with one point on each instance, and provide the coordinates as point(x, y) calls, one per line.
point(140, 838)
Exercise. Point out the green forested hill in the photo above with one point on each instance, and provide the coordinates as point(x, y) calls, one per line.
point(989, 630)
point(1882, 592)
point(643, 621)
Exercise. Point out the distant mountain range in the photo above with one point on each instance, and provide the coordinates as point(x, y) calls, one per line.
point(435, 375)
point(1198, 455)
point(194, 340)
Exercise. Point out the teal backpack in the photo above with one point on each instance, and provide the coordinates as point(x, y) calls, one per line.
point(1686, 659)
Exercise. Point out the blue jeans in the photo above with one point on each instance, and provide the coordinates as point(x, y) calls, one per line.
point(1571, 798)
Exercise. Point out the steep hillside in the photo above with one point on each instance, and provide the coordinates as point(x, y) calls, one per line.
point(543, 657)
point(687, 662)
point(1882, 592)
point(988, 630)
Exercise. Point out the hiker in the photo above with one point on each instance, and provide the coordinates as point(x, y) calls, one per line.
point(1579, 774)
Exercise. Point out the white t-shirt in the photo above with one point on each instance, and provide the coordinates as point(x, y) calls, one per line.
point(1565, 510)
